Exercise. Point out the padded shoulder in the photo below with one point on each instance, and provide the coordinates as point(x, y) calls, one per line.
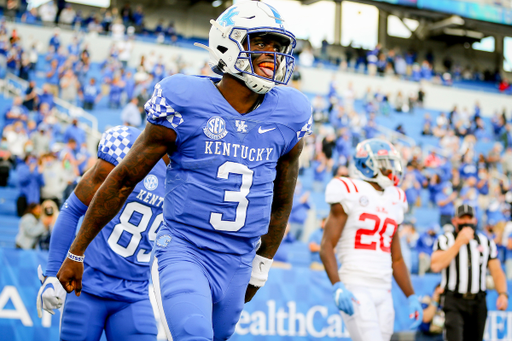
point(342, 190)
point(173, 94)
point(398, 195)
point(294, 109)
point(116, 143)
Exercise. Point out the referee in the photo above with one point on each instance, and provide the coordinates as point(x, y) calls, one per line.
point(464, 256)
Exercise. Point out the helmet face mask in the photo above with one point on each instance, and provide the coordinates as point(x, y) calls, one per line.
point(232, 49)
point(378, 161)
point(282, 60)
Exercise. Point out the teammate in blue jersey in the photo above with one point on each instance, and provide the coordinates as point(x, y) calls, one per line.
point(234, 144)
point(115, 282)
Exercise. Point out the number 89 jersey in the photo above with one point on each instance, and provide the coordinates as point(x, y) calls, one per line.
point(364, 248)
point(118, 258)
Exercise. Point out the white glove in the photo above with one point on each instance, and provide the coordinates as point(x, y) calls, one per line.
point(51, 295)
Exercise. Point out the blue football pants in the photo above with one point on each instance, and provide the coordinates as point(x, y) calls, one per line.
point(200, 293)
point(85, 317)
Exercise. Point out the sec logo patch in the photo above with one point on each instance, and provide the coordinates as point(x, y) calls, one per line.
point(215, 128)
point(151, 182)
point(363, 201)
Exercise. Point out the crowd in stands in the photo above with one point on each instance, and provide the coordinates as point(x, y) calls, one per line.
point(452, 172)
point(50, 156)
point(405, 65)
point(114, 21)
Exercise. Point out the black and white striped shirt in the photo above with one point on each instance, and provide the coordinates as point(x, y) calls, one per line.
point(467, 271)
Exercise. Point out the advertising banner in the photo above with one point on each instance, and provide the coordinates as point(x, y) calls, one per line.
point(295, 304)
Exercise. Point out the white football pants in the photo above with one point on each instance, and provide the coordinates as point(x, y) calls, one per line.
point(373, 317)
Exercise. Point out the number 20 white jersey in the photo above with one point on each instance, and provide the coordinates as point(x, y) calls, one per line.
point(364, 248)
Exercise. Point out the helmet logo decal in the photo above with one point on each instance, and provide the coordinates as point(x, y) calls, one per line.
point(227, 18)
point(382, 152)
point(277, 16)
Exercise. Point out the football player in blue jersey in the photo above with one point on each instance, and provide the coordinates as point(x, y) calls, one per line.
point(234, 144)
point(115, 283)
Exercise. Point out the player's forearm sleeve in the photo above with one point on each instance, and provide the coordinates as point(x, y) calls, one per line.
point(64, 232)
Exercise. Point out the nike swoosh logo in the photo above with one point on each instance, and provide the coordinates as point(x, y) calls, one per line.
point(261, 266)
point(263, 131)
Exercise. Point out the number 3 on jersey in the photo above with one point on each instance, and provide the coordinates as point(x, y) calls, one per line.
point(384, 234)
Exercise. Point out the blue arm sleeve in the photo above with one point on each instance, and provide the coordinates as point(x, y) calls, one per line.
point(64, 233)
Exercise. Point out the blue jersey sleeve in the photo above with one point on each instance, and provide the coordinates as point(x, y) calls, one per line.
point(164, 106)
point(116, 143)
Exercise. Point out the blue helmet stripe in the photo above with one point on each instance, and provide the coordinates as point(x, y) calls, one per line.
point(277, 16)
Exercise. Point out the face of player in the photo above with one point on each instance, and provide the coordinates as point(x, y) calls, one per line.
point(264, 64)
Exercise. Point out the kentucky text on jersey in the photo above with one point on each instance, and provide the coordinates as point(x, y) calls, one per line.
point(226, 149)
point(150, 198)
point(219, 186)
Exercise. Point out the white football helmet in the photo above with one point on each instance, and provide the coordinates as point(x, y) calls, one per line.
point(233, 28)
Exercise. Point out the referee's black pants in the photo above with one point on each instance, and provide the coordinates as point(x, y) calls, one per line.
point(464, 318)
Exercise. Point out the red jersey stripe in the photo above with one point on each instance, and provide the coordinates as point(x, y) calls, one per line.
point(348, 189)
point(399, 193)
point(353, 184)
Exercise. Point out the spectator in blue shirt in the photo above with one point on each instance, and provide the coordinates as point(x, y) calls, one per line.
point(412, 189)
point(319, 166)
point(46, 97)
point(129, 85)
point(30, 179)
point(315, 239)
point(90, 95)
point(74, 47)
point(55, 40)
point(370, 129)
point(159, 28)
point(74, 132)
point(12, 60)
point(299, 212)
point(468, 169)
point(62, 57)
point(30, 17)
point(435, 185)
point(424, 247)
point(16, 112)
point(444, 200)
point(116, 89)
point(138, 17)
point(344, 148)
point(431, 328)
point(483, 182)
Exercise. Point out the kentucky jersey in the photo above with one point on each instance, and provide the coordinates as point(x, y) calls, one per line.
point(219, 187)
point(364, 248)
point(117, 260)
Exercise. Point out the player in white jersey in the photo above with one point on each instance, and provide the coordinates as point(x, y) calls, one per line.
point(361, 229)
